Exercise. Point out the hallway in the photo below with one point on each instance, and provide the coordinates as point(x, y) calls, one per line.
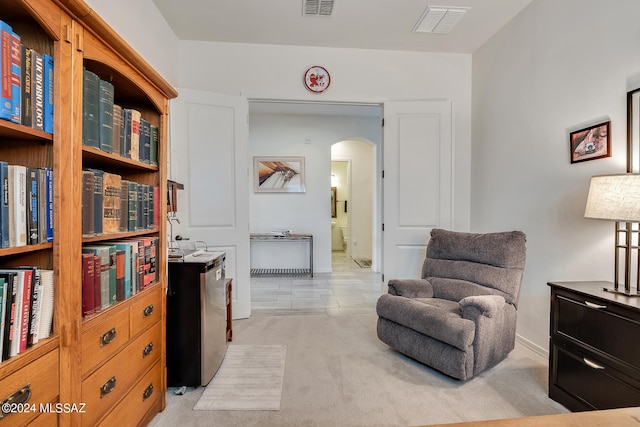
point(349, 289)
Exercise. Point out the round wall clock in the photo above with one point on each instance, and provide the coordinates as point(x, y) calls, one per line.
point(317, 79)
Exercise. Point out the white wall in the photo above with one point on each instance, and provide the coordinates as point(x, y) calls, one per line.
point(286, 135)
point(559, 65)
point(357, 75)
point(144, 28)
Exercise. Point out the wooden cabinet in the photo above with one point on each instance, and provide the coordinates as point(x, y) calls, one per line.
point(594, 362)
point(112, 361)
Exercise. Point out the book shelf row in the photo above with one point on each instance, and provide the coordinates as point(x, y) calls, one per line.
point(111, 204)
point(26, 308)
point(111, 128)
point(26, 83)
point(26, 205)
point(117, 270)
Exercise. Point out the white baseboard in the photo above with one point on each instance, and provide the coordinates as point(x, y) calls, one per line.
point(542, 352)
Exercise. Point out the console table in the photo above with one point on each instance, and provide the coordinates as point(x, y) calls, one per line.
point(266, 237)
point(594, 356)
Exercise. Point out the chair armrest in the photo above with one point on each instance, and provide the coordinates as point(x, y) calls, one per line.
point(484, 305)
point(411, 288)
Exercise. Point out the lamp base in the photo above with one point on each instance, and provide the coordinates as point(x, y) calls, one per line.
point(631, 292)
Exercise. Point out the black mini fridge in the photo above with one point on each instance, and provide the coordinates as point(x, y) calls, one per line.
point(196, 318)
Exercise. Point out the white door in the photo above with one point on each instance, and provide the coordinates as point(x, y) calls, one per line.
point(417, 184)
point(209, 152)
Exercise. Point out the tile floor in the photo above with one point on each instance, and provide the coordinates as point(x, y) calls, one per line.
point(348, 289)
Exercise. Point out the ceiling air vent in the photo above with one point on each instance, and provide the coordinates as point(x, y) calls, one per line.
point(317, 7)
point(437, 19)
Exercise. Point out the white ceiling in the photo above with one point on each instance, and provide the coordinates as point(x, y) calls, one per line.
point(366, 24)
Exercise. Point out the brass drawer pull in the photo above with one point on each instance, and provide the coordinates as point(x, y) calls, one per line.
point(107, 387)
point(148, 392)
point(148, 310)
point(592, 305)
point(592, 364)
point(21, 396)
point(108, 337)
point(147, 350)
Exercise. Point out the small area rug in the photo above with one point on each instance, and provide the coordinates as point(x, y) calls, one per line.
point(363, 263)
point(250, 378)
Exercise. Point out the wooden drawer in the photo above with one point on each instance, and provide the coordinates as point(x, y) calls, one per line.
point(138, 401)
point(146, 311)
point(46, 419)
point(105, 387)
point(587, 321)
point(104, 339)
point(581, 380)
point(42, 379)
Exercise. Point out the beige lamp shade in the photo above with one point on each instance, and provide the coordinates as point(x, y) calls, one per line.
point(614, 198)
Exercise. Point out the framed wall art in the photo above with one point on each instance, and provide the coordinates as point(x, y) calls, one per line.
point(633, 131)
point(275, 174)
point(593, 142)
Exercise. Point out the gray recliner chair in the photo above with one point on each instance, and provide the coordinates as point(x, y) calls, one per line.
point(460, 317)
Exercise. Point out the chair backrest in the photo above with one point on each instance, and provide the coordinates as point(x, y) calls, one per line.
point(494, 261)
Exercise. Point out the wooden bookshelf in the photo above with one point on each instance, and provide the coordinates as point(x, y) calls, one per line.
point(65, 368)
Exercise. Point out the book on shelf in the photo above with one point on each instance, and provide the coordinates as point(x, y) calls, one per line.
point(48, 99)
point(37, 92)
point(111, 203)
point(32, 206)
point(105, 115)
point(132, 133)
point(88, 216)
point(25, 80)
point(153, 153)
point(102, 252)
point(16, 83)
point(116, 141)
point(133, 206)
point(10, 279)
point(145, 141)
point(6, 95)
point(90, 109)
point(124, 206)
point(18, 205)
point(49, 211)
point(98, 188)
point(120, 267)
point(3, 309)
point(88, 283)
point(4, 205)
point(27, 299)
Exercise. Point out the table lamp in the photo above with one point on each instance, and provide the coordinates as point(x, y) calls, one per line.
point(617, 198)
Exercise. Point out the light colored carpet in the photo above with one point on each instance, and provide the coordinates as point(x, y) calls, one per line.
point(339, 374)
point(250, 378)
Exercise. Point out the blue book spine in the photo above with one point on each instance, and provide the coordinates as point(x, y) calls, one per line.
point(6, 97)
point(126, 247)
point(16, 77)
point(4, 205)
point(48, 93)
point(49, 205)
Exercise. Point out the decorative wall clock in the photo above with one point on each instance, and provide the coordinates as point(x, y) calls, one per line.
point(317, 79)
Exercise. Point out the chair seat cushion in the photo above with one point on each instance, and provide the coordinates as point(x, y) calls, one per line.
point(439, 319)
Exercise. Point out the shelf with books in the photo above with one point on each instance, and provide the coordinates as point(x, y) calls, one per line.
point(18, 131)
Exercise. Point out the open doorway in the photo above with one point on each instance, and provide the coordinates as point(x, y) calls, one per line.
point(353, 166)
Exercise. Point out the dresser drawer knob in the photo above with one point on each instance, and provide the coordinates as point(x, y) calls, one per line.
point(147, 392)
point(592, 305)
point(592, 364)
point(148, 310)
point(108, 337)
point(147, 350)
point(21, 396)
point(107, 387)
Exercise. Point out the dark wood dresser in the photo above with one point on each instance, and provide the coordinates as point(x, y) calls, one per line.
point(594, 348)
